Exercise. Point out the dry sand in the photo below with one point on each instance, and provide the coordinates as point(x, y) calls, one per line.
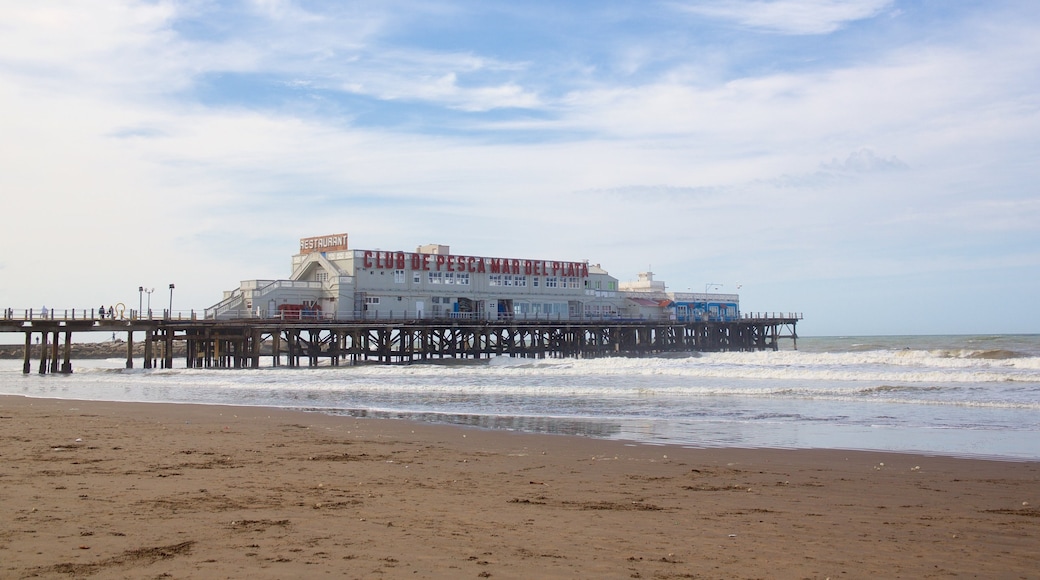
point(118, 490)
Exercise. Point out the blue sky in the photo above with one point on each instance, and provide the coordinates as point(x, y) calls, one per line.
point(869, 163)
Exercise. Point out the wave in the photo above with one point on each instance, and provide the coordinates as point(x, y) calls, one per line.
point(913, 368)
point(568, 392)
point(900, 389)
point(998, 354)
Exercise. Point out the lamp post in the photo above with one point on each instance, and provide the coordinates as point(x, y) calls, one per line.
point(140, 300)
point(171, 301)
point(149, 291)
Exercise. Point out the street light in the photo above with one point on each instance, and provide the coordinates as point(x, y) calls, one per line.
point(140, 300)
point(171, 300)
point(149, 291)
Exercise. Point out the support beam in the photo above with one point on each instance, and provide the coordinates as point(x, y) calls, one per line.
point(25, 356)
point(130, 349)
point(54, 352)
point(168, 359)
point(66, 365)
point(149, 336)
point(43, 353)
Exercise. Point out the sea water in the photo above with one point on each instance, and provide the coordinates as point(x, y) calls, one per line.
point(951, 395)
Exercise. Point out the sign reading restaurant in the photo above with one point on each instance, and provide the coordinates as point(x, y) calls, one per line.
point(331, 243)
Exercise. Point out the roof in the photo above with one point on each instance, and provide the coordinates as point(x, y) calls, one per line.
point(645, 302)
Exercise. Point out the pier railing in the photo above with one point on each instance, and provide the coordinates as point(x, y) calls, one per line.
point(771, 316)
point(91, 314)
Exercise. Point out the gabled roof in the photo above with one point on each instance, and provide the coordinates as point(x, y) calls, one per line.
point(312, 260)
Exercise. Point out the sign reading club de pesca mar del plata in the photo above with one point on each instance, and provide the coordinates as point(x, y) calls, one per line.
point(380, 260)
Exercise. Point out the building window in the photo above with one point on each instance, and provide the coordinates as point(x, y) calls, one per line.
point(507, 280)
point(551, 282)
point(371, 300)
point(449, 277)
point(548, 309)
point(521, 281)
point(321, 276)
point(416, 277)
point(534, 281)
point(462, 278)
point(495, 280)
point(399, 276)
point(434, 277)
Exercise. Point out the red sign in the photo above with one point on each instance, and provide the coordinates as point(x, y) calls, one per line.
point(452, 263)
point(331, 243)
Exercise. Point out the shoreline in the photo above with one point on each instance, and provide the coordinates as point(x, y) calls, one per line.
point(193, 490)
point(490, 423)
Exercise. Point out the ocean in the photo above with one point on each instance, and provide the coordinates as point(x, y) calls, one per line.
point(970, 396)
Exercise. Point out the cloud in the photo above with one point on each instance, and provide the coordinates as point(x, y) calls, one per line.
point(421, 84)
point(798, 17)
point(864, 161)
point(283, 10)
point(137, 132)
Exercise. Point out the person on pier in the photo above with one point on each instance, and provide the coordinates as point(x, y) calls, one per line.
point(102, 311)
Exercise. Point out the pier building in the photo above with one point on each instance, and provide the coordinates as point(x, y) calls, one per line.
point(329, 280)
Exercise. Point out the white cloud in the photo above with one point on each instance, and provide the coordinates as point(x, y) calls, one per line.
point(443, 89)
point(789, 16)
point(864, 161)
point(283, 10)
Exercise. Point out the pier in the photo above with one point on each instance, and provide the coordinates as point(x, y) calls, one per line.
point(248, 342)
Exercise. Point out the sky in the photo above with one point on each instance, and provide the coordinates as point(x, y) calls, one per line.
point(869, 164)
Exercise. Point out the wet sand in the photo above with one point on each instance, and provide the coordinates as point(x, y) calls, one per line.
point(114, 490)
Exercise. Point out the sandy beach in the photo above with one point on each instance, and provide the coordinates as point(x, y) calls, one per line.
point(126, 490)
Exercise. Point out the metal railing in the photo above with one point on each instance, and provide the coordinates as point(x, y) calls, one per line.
point(98, 315)
point(91, 314)
point(771, 316)
point(427, 315)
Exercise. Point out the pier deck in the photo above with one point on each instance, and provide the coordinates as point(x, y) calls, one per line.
point(245, 343)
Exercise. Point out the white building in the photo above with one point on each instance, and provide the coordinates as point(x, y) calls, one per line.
point(647, 296)
point(331, 281)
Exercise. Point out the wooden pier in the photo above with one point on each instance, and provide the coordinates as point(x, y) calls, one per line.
point(248, 343)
